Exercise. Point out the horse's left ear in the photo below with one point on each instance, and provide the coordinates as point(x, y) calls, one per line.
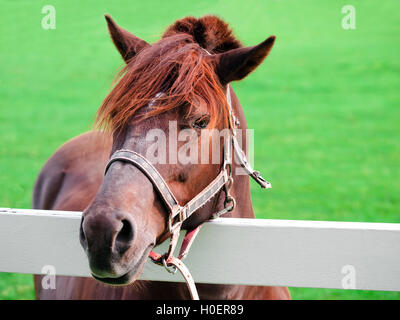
point(236, 64)
point(127, 43)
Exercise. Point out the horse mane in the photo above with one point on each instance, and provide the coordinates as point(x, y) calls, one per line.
point(176, 66)
point(210, 32)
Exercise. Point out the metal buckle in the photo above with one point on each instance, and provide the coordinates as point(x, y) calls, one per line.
point(177, 216)
point(170, 269)
point(228, 169)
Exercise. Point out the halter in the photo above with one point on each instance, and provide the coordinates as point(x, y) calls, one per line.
point(177, 213)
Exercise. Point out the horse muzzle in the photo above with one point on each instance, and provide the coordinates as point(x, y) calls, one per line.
point(110, 242)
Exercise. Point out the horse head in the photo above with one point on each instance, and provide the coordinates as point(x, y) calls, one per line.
point(170, 98)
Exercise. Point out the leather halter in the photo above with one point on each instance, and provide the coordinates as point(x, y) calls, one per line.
point(178, 213)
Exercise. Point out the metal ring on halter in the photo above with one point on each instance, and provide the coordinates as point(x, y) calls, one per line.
point(229, 184)
point(230, 199)
point(172, 269)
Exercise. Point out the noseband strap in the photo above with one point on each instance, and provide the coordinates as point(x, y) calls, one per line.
point(177, 213)
point(151, 173)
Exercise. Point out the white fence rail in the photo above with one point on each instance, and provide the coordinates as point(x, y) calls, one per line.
point(292, 253)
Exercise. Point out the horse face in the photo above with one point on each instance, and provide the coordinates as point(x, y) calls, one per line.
point(127, 218)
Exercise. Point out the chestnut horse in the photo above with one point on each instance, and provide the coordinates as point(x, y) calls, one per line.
point(184, 77)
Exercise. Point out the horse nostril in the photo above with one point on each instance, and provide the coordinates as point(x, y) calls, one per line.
point(124, 237)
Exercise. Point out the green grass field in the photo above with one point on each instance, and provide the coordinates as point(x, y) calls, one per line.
point(324, 105)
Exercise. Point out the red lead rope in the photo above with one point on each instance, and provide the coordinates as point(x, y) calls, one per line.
point(168, 260)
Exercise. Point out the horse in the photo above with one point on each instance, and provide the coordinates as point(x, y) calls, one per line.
point(184, 78)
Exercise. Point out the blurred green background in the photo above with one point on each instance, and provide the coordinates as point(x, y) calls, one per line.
point(324, 105)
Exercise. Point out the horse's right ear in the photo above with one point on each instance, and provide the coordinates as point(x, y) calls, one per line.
point(236, 64)
point(127, 43)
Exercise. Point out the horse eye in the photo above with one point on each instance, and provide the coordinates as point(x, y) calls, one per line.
point(202, 122)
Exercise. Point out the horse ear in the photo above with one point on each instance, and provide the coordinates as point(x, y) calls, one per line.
point(236, 64)
point(127, 43)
